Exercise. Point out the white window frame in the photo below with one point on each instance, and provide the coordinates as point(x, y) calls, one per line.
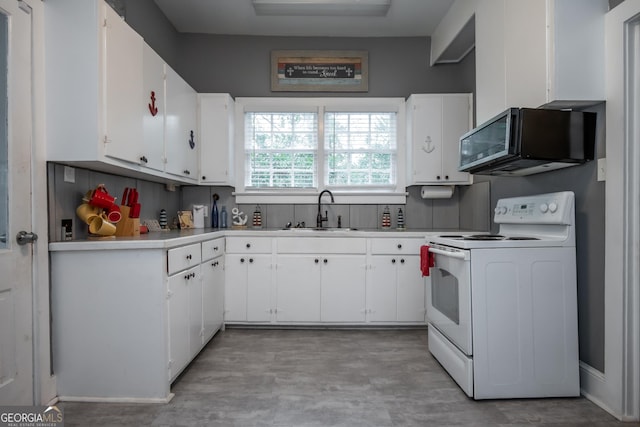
point(396, 195)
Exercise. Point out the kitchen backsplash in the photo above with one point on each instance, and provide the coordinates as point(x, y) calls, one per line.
point(467, 209)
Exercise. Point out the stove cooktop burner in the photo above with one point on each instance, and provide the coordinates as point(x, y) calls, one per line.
point(522, 238)
point(487, 237)
point(484, 237)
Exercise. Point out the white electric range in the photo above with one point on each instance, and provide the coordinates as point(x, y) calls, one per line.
point(502, 309)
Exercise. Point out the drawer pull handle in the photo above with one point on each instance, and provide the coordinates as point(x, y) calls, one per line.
point(317, 260)
point(325, 261)
point(248, 245)
point(399, 246)
point(241, 260)
point(250, 259)
point(215, 248)
point(393, 261)
point(189, 256)
point(402, 261)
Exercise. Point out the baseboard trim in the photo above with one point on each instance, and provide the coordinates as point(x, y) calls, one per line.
point(116, 399)
point(593, 385)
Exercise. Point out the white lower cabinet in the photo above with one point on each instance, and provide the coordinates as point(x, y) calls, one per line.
point(298, 288)
point(212, 271)
point(212, 297)
point(248, 281)
point(168, 304)
point(395, 286)
point(324, 280)
point(343, 279)
point(184, 308)
point(320, 288)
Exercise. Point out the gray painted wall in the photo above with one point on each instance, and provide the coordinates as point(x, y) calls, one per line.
point(240, 65)
point(398, 67)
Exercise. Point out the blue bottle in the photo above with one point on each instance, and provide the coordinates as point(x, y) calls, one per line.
point(214, 214)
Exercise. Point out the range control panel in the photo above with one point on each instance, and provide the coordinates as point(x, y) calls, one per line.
point(549, 208)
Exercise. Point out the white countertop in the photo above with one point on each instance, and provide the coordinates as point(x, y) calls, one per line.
point(174, 238)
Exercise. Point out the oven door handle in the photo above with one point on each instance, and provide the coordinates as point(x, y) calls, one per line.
point(459, 255)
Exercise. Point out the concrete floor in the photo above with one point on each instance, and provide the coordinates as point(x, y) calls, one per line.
point(328, 378)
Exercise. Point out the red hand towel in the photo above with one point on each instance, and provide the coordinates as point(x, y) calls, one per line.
point(426, 260)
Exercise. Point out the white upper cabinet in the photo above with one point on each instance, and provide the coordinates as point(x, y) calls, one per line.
point(93, 84)
point(180, 127)
point(435, 124)
point(154, 112)
point(531, 53)
point(122, 89)
point(100, 75)
point(216, 120)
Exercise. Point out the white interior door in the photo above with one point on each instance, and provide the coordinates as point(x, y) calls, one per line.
point(16, 332)
point(618, 389)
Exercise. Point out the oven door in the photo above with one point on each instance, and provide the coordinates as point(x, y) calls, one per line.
point(449, 295)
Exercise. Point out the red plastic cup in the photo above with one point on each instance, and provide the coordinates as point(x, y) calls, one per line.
point(113, 213)
point(101, 198)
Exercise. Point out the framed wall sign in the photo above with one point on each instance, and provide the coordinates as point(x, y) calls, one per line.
point(319, 71)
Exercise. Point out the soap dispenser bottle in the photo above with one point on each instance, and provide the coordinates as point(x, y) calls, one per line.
point(223, 217)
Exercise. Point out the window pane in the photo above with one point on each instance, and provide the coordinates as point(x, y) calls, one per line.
point(281, 149)
point(360, 149)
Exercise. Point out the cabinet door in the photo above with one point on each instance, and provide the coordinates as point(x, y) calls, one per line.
point(154, 111)
point(456, 113)
point(259, 305)
point(381, 289)
point(411, 290)
point(343, 288)
point(216, 113)
point(298, 288)
point(123, 103)
point(235, 288)
point(194, 284)
point(426, 139)
point(212, 297)
point(180, 128)
point(178, 314)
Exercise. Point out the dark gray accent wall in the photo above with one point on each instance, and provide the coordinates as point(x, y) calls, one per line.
point(241, 65)
point(590, 229)
point(159, 33)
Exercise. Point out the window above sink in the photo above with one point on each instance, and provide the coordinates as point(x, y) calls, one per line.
point(290, 149)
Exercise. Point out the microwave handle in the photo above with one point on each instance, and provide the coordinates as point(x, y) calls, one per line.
point(459, 255)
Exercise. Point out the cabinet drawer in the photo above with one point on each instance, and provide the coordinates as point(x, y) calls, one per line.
point(322, 245)
point(396, 246)
point(212, 248)
point(183, 257)
point(241, 245)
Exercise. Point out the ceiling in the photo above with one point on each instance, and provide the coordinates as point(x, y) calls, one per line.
point(406, 18)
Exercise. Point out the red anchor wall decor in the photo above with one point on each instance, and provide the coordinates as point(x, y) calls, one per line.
point(152, 107)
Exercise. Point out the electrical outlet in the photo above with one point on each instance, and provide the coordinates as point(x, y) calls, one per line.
point(602, 169)
point(69, 174)
point(67, 229)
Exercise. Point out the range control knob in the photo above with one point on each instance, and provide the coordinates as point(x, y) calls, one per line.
point(501, 210)
point(544, 208)
point(553, 207)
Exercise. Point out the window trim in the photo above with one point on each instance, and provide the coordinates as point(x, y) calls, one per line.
point(396, 195)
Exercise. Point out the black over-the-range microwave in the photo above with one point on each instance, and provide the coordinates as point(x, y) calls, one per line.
point(524, 141)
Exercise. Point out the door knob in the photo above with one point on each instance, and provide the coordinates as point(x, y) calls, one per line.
point(24, 237)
